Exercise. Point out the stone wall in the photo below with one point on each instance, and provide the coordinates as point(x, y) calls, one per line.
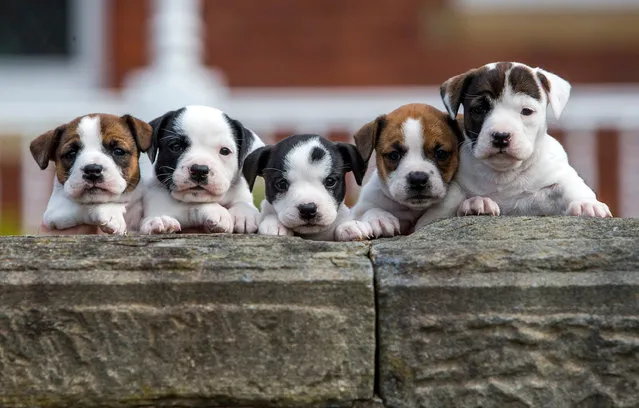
point(470, 312)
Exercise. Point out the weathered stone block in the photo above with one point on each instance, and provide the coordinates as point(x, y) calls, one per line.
point(510, 312)
point(185, 321)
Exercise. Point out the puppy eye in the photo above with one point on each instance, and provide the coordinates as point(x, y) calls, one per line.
point(225, 151)
point(441, 154)
point(393, 156)
point(70, 154)
point(118, 152)
point(176, 147)
point(479, 109)
point(330, 182)
point(527, 111)
point(281, 185)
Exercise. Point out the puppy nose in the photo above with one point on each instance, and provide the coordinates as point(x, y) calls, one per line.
point(307, 211)
point(92, 172)
point(199, 172)
point(417, 179)
point(501, 139)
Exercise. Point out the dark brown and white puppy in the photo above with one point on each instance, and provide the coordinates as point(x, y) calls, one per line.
point(508, 163)
point(416, 147)
point(97, 171)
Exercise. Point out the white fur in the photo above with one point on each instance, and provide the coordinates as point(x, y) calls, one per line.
point(225, 204)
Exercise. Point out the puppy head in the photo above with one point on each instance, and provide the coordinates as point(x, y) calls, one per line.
point(417, 153)
point(304, 178)
point(504, 109)
point(197, 152)
point(96, 156)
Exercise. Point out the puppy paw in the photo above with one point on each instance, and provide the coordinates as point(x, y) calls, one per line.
point(586, 208)
point(382, 223)
point(109, 218)
point(217, 219)
point(478, 206)
point(160, 225)
point(353, 231)
point(246, 218)
point(271, 226)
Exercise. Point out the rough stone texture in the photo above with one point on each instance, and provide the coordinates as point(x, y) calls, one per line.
point(510, 312)
point(185, 321)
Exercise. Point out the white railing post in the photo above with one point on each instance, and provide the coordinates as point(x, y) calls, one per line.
point(176, 75)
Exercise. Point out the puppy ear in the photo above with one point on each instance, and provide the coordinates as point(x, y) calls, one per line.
point(157, 125)
point(353, 161)
point(243, 138)
point(366, 137)
point(557, 89)
point(43, 147)
point(452, 91)
point(255, 163)
point(142, 132)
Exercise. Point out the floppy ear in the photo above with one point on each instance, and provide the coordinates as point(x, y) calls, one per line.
point(366, 137)
point(557, 89)
point(353, 161)
point(43, 147)
point(255, 163)
point(142, 132)
point(452, 91)
point(243, 138)
point(157, 125)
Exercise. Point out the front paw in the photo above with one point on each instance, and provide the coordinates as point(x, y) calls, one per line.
point(382, 223)
point(110, 219)
point(272, 226)
point(587, 208)
point(246, 218)
point(353, 231)
point(478, 206)
point(217, 220)
point(160, 225)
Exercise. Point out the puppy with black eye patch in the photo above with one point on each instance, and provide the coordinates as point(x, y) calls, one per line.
point(195, 180)
point(416, 147)
point(509, 164)
point(305, 188)
point(97, 172)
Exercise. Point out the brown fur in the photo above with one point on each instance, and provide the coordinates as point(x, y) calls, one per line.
point(385, 134)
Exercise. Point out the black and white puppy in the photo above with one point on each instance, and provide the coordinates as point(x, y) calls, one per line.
point(508, 163)
point(196, 181)
point(305, 188)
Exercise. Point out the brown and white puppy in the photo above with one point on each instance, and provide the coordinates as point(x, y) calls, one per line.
point(97, 171)
point(417, 153)
point(508, 163)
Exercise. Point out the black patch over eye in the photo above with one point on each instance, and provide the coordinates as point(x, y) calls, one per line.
point(225, 151)
point(177, 146)
point(393, 156)
point(527, 111)
point(441, 154)
point(480, 108)
point(281, 185)
point(330, 182)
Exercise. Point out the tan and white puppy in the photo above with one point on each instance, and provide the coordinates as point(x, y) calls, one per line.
point(97, 171)
point(416, 147)
point(508, 163)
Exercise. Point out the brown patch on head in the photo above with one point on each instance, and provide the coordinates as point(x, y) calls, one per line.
point(545, 83)
point(440, 137)
point(522, 80)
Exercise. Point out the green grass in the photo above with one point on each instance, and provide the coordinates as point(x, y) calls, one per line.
point(258, 192)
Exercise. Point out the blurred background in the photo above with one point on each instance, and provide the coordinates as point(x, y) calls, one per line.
point(321, 66)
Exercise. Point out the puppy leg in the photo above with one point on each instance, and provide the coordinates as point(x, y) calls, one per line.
point(444, 209)
point(270, 225)
point(109, 217)
point(246, 218)
point(478, 206)
point(213, 217)
point(588, 208)
point(580, 200)
point(353, 231)
point(163, 224)
point(383, 223)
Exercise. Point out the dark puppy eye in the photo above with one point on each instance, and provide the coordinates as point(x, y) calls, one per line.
point(176, 147)
point(479, 108)
point(118, 152)
point(70, 155)
point(330, 182)
point(393, 156)
point(225, 151)
point(281, 185)
point(527, 111)
point(441, 154)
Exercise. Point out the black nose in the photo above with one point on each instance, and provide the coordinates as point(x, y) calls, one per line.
point(199, 172)
point(417, 179)
point(501, 139)
point(92, 172)
point(307, 211)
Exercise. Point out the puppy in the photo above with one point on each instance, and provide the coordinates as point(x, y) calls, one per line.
point(97, 171)
point(416, 147)
point(509, 163)
point(195, 180)
point(305, 188)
